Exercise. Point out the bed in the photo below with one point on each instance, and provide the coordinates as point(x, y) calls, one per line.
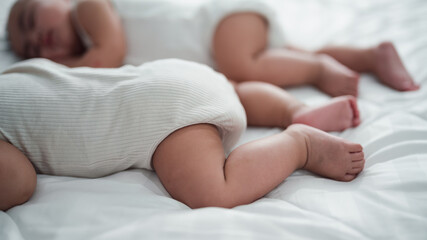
point(388, 200)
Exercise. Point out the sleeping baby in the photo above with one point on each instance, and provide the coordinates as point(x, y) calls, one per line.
point(180, 119)
point(241, 38)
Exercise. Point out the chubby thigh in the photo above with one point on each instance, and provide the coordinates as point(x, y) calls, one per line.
point(190, 163)
point(17, 177)
point(94, 122)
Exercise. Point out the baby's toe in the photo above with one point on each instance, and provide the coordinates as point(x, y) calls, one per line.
point(357, 165)
point(354, 148)
point(349, 177)
point(354, 170)
point(357, 157)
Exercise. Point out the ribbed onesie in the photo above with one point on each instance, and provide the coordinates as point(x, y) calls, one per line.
point(88, 122)
point(184, 29)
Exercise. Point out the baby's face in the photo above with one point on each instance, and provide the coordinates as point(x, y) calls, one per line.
point(42, 28)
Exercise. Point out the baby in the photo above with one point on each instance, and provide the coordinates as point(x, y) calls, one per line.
point(176, 117)
point(241, 38)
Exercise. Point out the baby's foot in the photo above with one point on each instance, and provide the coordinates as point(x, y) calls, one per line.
point(330, 156)
point(390, 69)
point(337, 115)
point(336, 79)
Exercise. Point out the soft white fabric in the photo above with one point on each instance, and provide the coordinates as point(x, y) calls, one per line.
point(88, 122)
point(387, 201)
point(157, 29)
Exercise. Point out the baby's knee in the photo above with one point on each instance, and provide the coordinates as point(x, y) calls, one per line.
point(217, 194)
point(209, 198)
point(18, 178)
point(17, 193)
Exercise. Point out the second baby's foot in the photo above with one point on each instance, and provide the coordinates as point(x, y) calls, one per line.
point(390, 69)
point(329, 156)
point(337, 115)
point(336, 79)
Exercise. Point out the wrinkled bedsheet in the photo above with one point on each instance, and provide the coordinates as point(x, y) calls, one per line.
point(387, 201)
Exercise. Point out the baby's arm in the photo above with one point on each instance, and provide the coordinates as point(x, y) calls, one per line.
point(103, 26)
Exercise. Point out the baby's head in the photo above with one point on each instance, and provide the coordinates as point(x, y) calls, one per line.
point(42, 28)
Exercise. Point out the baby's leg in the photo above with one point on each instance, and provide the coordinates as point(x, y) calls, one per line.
point(382, 60)
point(269, 105)
point(17, 177)
point(240, 50)
point(191, 163)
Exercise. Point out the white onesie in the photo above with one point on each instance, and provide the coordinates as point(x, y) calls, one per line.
point(89, 122)
point(157, 29)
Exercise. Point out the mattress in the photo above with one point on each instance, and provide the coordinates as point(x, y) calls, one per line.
point(388, 200)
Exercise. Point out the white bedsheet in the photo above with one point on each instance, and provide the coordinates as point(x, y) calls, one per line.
point(387, 201)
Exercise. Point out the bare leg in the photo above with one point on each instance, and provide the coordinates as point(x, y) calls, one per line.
point(17, 177)
point(382, 60)
point(240, 51)
point(390, 69)
point(357, 59)
point(191, 164)
point(336, 115)
point(269, 105)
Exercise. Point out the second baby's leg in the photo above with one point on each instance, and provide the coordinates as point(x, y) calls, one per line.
point(382, 60)
point(191, 163)
point(240, 51)
point(269, 105)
